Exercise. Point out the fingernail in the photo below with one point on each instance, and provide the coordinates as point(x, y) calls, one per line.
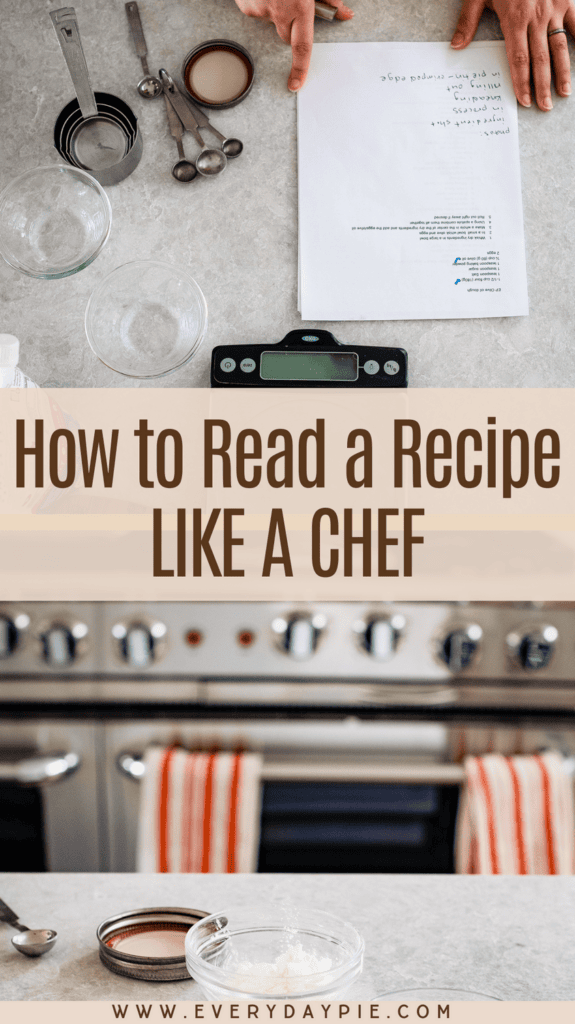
point(566, 89)
point(458, 39)
point(526, 100)
point(547, 104)
point(294, 84)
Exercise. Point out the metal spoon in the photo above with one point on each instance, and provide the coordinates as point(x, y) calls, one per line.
point(210, 161)
point(31, 941)
point(34, 941)
point(149, 86)
point(231, 147)
point(184, 169)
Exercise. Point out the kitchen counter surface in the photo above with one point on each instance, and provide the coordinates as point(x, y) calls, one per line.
point(507, 937)
point(238, 234)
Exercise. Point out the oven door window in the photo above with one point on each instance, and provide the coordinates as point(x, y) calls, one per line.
point(351, 827)
point(21, 829)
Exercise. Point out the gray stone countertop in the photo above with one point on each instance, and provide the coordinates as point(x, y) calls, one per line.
point(238, 233)
point(507, 937)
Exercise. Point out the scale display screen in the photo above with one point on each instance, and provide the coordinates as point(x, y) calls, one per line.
point(312, 366)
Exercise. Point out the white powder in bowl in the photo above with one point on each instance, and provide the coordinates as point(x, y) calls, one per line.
point(283, 976)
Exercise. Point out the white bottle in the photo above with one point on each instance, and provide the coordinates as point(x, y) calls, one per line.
point(10, 375)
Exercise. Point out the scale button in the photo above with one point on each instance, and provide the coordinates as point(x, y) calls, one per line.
point(248, 365)
point(372, 366)
point(391, 367)
point(227, 365)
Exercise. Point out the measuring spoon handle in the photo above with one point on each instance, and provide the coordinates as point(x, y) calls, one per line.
point(204, 122)
point(68, 35)
point(135, 23)
point(8, 915)
point(202, 119)
point(214, 131)
point(179, 104)
point(176, 127)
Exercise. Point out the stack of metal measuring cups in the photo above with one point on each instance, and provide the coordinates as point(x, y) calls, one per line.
point(97, 131)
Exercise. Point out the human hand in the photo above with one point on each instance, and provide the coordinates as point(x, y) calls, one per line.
point(532, 42)
point(293, 20)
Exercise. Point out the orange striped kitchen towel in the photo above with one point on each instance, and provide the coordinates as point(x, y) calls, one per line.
point(199, 811)
point(516, 816)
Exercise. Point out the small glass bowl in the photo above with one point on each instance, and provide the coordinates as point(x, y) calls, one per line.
point(54, 221)
point(236, 955)
point(146, 319)
point(433, 993)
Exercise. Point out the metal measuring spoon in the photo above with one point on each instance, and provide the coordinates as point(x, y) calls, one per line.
point(184, 169)
point(149, 86)
point(210, 161)
point(231, 147)
point(31, 941)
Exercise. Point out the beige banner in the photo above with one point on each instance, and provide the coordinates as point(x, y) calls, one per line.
point(260, 1011)
point(310, 494)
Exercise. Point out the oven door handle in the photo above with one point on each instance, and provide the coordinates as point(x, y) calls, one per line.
point(134, 767)
point(131, 765)
point(40, 769)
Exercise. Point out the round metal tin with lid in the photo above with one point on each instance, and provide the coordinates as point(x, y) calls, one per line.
point(148, 944)
point(218, 73)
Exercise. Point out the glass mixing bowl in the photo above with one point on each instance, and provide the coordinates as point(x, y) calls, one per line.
point(433, 993)
point(53, 221)
point(273, 952)
point(146, 318)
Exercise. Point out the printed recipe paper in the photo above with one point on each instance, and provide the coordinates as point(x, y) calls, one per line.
point(409, 184)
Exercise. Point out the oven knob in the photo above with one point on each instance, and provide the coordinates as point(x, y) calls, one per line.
point(533, 650)
point(459, 648)
point(299, 635)
point(59, 643)
point(380, 635)
point(139, 644)
point(10, 633)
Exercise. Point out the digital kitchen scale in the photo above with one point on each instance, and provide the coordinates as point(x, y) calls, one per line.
point(308, 359)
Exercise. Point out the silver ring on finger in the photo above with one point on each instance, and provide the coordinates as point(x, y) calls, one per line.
point(556, 32)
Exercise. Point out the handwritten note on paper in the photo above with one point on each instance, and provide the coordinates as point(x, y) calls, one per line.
point(409, 184)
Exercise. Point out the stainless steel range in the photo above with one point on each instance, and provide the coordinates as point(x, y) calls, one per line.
point(363, 713)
